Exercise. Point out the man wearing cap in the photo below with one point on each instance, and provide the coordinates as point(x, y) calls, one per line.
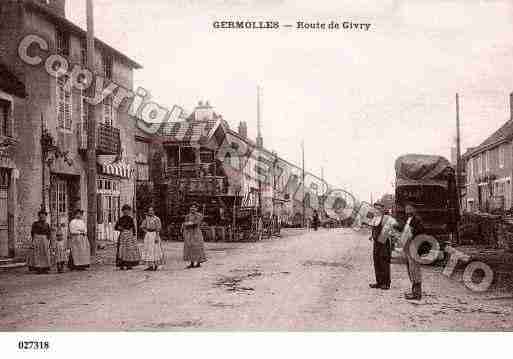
point(382, 251)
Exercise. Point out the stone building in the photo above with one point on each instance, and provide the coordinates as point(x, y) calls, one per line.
point(55, 112)
point(489, 171)
point(12, 96)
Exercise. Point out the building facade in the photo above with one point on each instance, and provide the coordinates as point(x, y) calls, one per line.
point(489, 171)
point(52, 122)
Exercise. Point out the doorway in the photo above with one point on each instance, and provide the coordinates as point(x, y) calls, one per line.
point(5, 230)
point(64, 198)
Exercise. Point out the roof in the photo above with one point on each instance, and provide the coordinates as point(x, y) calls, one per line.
point(504, 133)
point(189, 131)
point(271, 153)
point(10, 83)
point(77, 30)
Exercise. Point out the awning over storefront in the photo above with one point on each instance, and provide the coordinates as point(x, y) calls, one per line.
point(111, 167)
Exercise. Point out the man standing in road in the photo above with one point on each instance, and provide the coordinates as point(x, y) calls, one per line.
point(382, 251)
point(411, 229)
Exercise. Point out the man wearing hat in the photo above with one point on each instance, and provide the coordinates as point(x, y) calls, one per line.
point(382, 251)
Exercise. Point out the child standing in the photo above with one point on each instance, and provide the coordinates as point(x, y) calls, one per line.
point(61, 250)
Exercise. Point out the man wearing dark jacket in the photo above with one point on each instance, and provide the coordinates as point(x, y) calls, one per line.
point(382, 251)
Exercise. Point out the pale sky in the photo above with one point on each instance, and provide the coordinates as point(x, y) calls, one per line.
point(358, 99)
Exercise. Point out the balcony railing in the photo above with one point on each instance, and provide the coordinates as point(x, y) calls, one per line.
point(108, 139)
point(204, 186)
point(190, 171)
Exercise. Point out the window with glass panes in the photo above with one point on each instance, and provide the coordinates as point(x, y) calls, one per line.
point(108, 190)
point(5, 114)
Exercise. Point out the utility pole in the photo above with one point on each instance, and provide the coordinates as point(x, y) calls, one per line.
point(259, 139)
point(458, 163)
point(91, 136)
point(458, 145)
point(260, 144)
point(303, 180)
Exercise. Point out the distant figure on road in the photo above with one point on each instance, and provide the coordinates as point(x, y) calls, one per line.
point(411, 229)
point(39, 258)
point(382, 250)
point(153, 254)
point(80, 257)
point(315, 220)
point(127, 255)
point(193, 245)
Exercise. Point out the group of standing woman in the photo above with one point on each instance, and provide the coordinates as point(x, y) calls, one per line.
point(77, 253)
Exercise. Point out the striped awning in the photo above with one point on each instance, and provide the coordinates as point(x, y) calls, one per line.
point(115, 168)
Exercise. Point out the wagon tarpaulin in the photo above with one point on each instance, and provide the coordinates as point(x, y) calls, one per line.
point(421, 167)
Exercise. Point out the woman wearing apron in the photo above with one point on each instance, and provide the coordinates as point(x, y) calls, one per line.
point(152, 254)
point(128, 252)
point(39, 260)
point(80, 257)
point(194, 246)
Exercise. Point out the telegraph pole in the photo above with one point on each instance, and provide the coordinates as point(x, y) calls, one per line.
point(91, 136)
point(458, 163)
point(458, 146)
point(303, 180)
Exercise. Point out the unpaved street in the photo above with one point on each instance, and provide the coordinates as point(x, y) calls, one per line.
point(303, 281)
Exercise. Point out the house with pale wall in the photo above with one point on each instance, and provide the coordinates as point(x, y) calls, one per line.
point(489, 171)
point(60, 183)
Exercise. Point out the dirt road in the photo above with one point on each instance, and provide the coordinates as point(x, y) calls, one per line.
point(304, 281)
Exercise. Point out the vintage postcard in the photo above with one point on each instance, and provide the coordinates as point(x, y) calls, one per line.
point(255, 165)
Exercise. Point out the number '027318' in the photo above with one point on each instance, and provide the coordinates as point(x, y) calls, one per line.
point(33, 345)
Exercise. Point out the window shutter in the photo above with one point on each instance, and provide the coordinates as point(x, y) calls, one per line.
point(99, 208)
point(68, 108)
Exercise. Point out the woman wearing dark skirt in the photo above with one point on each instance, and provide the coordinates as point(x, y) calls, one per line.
point(128, 255)
point(40, 260)
point(194, 246)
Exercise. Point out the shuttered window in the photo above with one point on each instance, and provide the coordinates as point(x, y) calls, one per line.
point(5, 120)
point(64, 104)
point(109, 112)
point(62, 42)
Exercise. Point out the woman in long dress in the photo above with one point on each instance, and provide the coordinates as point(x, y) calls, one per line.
point(128, 255)
point(152, 254)
point(80, 257)
point(40, 257)
point(194, 246)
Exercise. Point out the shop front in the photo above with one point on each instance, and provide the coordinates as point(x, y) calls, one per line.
point(113, 176)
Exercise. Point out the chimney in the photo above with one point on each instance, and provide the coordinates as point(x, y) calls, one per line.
point(259, 139)
point(511, 106)
point(57, 6)
point(203, 112)
point(243, 129)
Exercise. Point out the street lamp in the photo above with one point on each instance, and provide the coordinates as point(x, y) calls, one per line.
point(49, 154)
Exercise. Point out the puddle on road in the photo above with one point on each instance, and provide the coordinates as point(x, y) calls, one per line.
point(344, 265)
point(222, 305)
point(181, 325)
point(232, 283)
point(222, 249)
